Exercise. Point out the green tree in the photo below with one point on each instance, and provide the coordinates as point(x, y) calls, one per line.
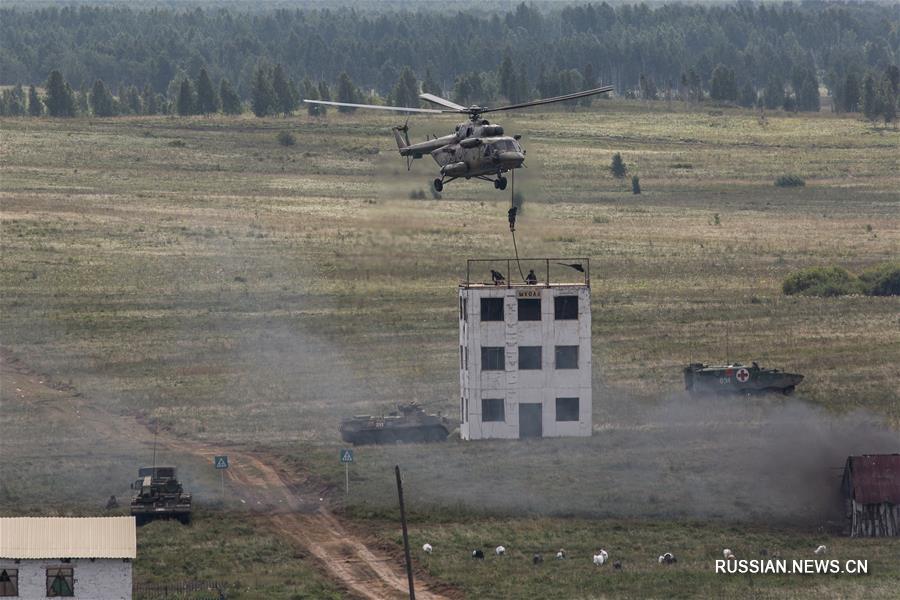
point(723, 86)
point(101, 100)
point(617, 166)
point(309, 92)
point(207, 100)
point(590, 82)
point(887, 100)
point(133, 100)
point(35, 106)
point(231, 102)
point(773, 95)
point(469, 88)
point(507, 77)
point(648, 88)
point(523, 89)
point(806, 89)
point(82, 101)
point(187, 100)
point(285, 96)
point(635, 184)
point(430, 85)
point(869, 98)
point(60, 97)
point(347, 92)
point(15, 101)
point(262, 97)
point(748, 96)
point(849, 93)
point(406, 91)
point(149, 101)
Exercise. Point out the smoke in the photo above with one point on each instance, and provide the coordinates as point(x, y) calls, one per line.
point(760, 459)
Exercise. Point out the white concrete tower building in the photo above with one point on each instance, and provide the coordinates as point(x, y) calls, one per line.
point(525, 351)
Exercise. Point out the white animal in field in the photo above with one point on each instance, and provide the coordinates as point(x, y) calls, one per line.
point(427, 548)
point(820, 550)
point(499, 550)
point(667, 558)
point(561, 555)
point(601, 557)
point(728, 554)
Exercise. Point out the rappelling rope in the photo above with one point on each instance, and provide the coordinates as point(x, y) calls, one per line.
point(512, 219)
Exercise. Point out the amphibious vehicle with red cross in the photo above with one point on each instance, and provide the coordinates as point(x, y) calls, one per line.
point(737, 378)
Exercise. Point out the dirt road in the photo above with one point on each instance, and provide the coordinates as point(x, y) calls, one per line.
point(296, 512)
point(293, 504)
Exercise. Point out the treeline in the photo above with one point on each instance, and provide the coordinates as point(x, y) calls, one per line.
point(776, 56)
point(876, 95)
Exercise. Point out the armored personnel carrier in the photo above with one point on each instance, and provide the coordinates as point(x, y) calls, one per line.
point(738, 378)
point(159, 495)
point(412, 425)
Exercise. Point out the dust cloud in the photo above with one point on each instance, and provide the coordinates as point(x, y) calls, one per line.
point(759, 459)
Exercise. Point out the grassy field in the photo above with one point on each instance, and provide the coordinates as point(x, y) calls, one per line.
point(197, 272)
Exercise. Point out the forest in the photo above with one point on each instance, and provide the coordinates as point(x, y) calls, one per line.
point(771, 55)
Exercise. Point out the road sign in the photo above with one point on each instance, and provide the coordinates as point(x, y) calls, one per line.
point(221, 462)
point(346, 455)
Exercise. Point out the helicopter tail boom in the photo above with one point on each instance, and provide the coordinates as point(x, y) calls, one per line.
point(402, 140)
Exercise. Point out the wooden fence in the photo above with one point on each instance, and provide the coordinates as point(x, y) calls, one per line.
point(182, 590)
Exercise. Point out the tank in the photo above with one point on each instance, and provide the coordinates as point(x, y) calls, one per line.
point(738, 379)
point(159, 495)
point(411, 425)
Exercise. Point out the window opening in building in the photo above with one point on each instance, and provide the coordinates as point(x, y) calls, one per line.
point(529, 357)
point(567, 409)
point(493, 410)
point(567, 357)
point(529, 309)
point(565, 307)
point(492, 309)
point(60, 582)
point(9, 582)
point(493, 358)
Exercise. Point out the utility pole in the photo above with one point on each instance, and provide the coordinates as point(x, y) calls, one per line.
point(409, 573)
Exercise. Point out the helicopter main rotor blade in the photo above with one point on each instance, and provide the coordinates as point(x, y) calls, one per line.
point(573, 96)
point(378, 107)
point(443, 102)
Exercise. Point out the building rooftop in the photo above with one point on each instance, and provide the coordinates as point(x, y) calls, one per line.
point(873, 478)
point(515, 272)
point(67, 537)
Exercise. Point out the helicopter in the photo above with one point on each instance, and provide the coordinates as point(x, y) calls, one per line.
point(477, 149)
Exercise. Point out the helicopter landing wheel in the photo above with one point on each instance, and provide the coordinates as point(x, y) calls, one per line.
point(438, 185)
point(502, 185)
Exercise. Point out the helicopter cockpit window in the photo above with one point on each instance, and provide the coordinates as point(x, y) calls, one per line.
point(506, 146)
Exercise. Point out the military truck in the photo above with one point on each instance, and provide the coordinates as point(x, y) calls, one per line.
point(738, 379)
point(159, 495)
point(412, 425)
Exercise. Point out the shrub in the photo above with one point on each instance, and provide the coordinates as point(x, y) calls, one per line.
point(822, 281)
point(617, 167)
point(882, 280)
point(635, 184)
point(789, 181)
point(286, 138)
